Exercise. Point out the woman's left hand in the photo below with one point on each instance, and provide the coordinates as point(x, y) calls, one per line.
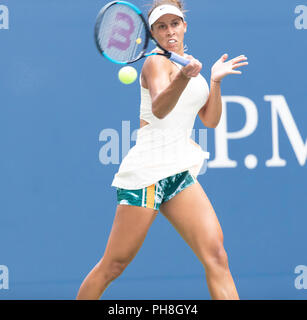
point(222, 67)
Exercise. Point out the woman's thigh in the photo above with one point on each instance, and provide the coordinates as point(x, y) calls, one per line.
point(193, 216)
point(130, 226)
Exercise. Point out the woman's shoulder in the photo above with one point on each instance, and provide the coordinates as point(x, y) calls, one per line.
point(156, 64)
point(156, 60)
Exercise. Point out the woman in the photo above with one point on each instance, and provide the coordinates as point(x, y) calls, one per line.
point(159, 172)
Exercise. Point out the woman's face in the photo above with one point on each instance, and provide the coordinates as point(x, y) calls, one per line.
point(169, 31)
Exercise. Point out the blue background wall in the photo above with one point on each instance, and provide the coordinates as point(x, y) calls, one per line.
point(56, 203)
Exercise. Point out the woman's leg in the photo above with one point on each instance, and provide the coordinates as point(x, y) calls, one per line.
point(193, 216)
point(129, 230)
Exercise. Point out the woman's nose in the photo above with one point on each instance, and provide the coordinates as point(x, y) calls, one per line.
point(170, 30)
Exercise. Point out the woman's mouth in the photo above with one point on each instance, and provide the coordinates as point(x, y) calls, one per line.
point(171, 41)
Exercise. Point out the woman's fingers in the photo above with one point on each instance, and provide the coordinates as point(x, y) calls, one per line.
point(193, 68)
point(238, 59)
point(239, 65)
point(224, 57)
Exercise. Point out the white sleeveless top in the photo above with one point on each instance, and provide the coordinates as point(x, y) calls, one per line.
point(164, 147)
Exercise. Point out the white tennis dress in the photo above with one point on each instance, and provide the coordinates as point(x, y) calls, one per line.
point(164, 147)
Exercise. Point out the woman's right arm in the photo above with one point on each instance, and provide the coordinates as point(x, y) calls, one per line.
point(164, 92)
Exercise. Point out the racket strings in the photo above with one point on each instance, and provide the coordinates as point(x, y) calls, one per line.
point(121, 33)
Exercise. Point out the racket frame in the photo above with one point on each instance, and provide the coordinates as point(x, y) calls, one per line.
point(147, 37)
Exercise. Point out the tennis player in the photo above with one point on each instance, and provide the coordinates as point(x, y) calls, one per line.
point(160, 172)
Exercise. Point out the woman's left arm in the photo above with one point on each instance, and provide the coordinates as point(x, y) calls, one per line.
point(210, 113)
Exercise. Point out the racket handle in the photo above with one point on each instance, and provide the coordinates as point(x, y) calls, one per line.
point(179, 59)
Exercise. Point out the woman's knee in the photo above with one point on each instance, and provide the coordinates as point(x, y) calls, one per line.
point(216, 258)
point(112, 269)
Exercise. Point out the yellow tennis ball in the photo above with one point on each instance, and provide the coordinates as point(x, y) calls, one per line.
point(138, 40)
point(127, 75)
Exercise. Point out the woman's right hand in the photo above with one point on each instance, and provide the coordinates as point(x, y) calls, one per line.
point(193, 68)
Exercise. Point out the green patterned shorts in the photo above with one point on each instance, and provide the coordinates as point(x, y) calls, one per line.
point(153, 196)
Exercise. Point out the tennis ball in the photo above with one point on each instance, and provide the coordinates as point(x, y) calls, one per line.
point(138, 40)
point(127, 75)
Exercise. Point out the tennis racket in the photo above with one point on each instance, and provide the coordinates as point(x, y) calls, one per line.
point(122, 35)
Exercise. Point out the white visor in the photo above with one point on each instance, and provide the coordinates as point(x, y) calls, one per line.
point(162, 10)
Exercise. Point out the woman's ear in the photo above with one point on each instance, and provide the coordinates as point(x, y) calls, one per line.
point(185, 26)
